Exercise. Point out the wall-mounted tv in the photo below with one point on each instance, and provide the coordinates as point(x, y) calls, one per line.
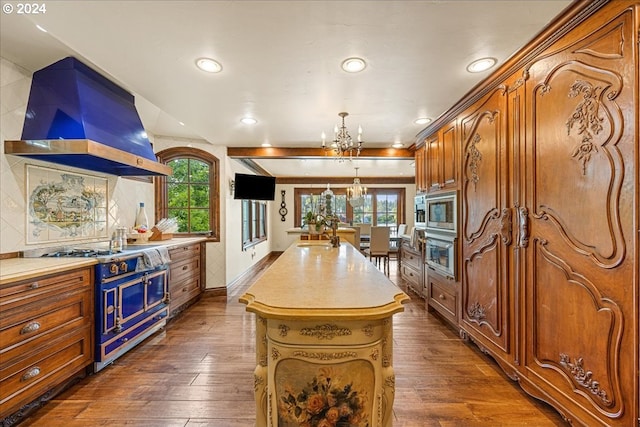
point(254, 187)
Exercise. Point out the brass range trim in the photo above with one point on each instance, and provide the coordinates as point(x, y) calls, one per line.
point(123, 163)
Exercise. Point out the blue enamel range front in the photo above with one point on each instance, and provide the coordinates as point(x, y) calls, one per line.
point(131, 303)
point(131, 297)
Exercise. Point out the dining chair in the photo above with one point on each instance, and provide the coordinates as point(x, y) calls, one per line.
point(379, 247)
point(365, 231)
point(394, 246)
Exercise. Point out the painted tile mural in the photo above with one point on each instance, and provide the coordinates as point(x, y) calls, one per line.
point(65, 206)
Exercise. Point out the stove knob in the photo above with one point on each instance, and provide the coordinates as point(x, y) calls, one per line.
point(123, 267)
point(113, 269)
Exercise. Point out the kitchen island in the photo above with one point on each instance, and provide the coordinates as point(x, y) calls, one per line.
point(324, 338)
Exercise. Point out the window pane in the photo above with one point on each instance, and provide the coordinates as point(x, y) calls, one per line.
point(181, 216)
point(199, 171)
point(180, 169)
point(178, 196)
point(199, 196)
point(199, 220)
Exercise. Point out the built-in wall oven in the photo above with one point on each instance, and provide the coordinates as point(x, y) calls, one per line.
point(441, 213)
point(440, 254)
point(441, 241)
point(419, 211)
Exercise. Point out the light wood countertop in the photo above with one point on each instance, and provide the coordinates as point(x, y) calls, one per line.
point(312, 280)
point(16, 269)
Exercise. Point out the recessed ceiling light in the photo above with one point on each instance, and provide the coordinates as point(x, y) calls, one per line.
point(266, 144)
point(481, 64)
point(353, 65)
point(40, 28)
point(208, 65)
point(181, 123)
point(422, 121)
point(397, 145)
point(248, 120)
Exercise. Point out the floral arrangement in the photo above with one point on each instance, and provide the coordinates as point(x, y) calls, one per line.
point(324, 402)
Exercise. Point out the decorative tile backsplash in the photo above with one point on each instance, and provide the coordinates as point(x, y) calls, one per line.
point(65, 206)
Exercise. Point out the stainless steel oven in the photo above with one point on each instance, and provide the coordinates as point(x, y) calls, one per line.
point(440, 254)
point(419, 207)
point(441, 213)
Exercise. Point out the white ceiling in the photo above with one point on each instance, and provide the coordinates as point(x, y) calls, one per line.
point(281, 64)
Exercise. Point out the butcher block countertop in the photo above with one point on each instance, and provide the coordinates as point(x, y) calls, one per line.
point(15, 269)
point(312, 280)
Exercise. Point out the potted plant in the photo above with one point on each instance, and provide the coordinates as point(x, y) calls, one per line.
point(314, 223)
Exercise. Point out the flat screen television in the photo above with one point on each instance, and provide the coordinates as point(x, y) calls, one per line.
point(254, 187)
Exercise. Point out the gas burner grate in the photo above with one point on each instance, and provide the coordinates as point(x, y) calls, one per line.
point(79, 253)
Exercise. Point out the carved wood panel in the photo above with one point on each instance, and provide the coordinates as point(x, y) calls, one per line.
point(579, 317)
point(486, 223)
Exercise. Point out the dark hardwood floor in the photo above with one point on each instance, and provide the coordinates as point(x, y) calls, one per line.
point(199, 372)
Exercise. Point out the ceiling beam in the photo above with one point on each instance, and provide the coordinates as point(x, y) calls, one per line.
point(306, 153)
point(345, 181)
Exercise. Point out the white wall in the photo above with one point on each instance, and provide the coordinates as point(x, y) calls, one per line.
point(239, 260)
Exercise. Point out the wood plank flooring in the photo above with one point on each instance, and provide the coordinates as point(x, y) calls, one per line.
point(199, 372)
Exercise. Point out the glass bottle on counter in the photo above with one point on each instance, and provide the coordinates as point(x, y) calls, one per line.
point(142, 220)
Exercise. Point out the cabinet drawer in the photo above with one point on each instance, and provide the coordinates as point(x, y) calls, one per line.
point(184, 252)
point(38, 372)
point(27, 291)
point(411, 275)
point(442, 298)
point(33, 325)
point(184, 291)
point(411, 258)
point(184, 269)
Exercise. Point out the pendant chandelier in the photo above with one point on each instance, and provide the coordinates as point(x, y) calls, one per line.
point(342, 144)
point(356, 193)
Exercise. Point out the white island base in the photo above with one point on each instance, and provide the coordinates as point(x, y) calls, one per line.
point(324, 339)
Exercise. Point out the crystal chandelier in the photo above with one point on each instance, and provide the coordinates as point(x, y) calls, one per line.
point(343, 144)
point(356, 193)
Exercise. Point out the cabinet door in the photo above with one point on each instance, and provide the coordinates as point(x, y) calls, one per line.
point(420, 169)
point(581, 315)
point(448, 156)
point(432, 161)
point(486, 225)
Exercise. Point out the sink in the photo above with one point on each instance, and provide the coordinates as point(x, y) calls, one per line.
point(316, 243)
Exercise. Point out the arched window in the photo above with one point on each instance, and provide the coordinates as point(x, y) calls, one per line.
point(192, 194)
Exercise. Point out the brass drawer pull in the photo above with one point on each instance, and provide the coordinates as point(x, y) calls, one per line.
point(441, 296)
point(34, 285)
point(31, 373)
point(31, 327)
point(185, 267)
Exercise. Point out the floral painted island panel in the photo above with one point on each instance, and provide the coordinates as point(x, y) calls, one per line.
point(65, 206)
point(313, 395)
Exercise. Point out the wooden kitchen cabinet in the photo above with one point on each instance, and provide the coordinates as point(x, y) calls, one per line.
point(412, 265)
point(421, 168)
point(186, 276)
point(442, 295)
point(441, 159)
point(46, 338)
point(578, 226)
point(486, 226)
point(549, 167)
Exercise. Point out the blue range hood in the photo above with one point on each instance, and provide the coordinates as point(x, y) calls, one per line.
point(79, 118)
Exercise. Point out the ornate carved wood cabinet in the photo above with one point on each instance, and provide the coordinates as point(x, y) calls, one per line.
point(550, 214)
point(46, 338)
